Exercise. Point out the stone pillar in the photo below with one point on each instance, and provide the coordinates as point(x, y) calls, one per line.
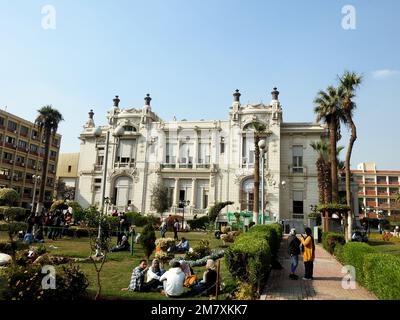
point(193, 200)
point(176, 193)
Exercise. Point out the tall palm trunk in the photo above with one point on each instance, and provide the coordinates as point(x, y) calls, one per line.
point(321, 178)
point(328, 182)
point(47, 133)
point(256, 179)
point(333, 160)
point(353, 138)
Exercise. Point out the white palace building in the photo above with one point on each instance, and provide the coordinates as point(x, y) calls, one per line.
point(201, 162)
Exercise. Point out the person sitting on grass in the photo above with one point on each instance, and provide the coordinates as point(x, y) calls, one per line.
point(173, 281)
point(137, 283)
point(207, 286)
point(154, 274)
point(182, 246)
point(123, 246)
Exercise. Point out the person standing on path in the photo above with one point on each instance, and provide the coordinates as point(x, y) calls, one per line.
point(176, 228)
point(308, 254)
point(294, 251)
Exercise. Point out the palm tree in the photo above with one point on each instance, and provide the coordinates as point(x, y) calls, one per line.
point(328, 109)
point(47, 121)
point(321, 148)
point(259, 131)
point(348, 83)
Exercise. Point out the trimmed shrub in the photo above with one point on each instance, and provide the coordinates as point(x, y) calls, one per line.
point(199, 223)
point(330, 239)
point(249, 259)
point(269, 233)
point(200, 251)
point(14, 213)
point(338, 252)
point(148, 239)
point(279, 230)
point(353, 254)
point(136, 219)
point(25, 283)
point(382, 275)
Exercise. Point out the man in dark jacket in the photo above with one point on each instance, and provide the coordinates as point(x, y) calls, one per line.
point(294, 251)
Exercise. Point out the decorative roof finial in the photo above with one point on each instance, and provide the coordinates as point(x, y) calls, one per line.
point(116, 101)
point(91, 114)
point(275, 94)
point(236, 96)
point(147, 100)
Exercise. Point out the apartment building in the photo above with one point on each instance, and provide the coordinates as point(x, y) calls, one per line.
point(377, 189)
point(21, 158)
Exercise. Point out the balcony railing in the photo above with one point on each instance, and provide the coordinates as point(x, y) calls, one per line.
point(124, 164)
point(185, 165)
point(298, 170)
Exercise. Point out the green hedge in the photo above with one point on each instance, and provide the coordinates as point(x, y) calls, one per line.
point(269, 233)
point(200, 223)
point(378, 272)
point(353, 254)
point(382, 275)
point(249, 259)
point(14, 213)
point(330, 239)
point(136, 219)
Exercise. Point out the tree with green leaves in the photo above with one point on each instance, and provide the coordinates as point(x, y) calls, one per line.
point(148, 240)
point(349, 82)
point(8, 196)
point(159, 198)
point(328, 109)
point(99, 243)
point(47, 121)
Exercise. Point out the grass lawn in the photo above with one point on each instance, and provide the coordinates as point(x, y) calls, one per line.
point(117, 270)
point(390, 247)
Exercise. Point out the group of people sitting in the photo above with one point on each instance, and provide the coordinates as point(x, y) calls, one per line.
point(171, 283)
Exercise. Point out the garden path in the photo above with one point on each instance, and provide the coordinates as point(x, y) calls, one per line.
point(326, 285)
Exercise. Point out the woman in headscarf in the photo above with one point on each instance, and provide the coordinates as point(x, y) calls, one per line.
point(190, 277)
point(154, 274)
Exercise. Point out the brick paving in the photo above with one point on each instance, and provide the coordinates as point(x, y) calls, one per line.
point(326, 285)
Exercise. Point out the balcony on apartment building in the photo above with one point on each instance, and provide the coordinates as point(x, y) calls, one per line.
point(186, 163)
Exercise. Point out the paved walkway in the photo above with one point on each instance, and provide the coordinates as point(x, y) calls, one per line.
point(327, 283)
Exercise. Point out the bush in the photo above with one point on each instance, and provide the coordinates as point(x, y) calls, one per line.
point(5, 247)
point(148, 239)
point(25, 283)
point(382, 275)
point(338, 252)
point(269, 233)
point(77, 211)
point(136, 219)
point(8, 196)
point(353, 254)
point(330, 239)
point(200, 251)
point(199, 223)
point(13, 213)
point(249, 259)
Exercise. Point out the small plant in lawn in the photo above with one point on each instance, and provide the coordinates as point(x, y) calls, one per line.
point(148, 239)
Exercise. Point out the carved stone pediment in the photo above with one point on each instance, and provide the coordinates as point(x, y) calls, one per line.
point(242, 173)
point(130, 172)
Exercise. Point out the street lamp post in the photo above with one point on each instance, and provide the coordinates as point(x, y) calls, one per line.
point(35, 178)
point(183, 204)
point(262, 145)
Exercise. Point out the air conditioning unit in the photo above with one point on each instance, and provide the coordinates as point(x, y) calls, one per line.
point(11, 161)
point(34, 167)
point(27, 149)
point(23, 164)
point(15, 131)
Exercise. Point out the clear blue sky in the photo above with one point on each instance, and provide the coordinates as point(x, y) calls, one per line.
point(191, 55)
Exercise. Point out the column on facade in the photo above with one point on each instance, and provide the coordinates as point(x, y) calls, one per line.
point(193, 200)
point(196, 150)
point(178, 145)
point(176, 193)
